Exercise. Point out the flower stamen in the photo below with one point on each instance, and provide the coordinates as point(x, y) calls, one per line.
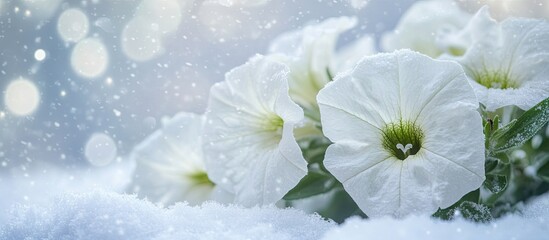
point(404, 149)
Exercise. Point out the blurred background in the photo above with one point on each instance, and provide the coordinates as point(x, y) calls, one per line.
point(83, 81)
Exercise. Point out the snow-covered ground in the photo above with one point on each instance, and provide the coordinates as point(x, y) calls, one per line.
point(77, 209)
point(107, 215)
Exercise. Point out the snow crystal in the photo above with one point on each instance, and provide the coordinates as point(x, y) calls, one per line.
point(103, 215)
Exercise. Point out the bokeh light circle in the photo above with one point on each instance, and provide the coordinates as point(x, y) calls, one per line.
point(100, 150)
point(73, 25)
point(141, 40)
point(89, 58)
point(40, 55)
point(21, 97)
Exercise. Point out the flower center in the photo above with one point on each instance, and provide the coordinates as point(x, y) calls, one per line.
point(456, 51)
point(496, 79)
point(200, 178)
point(402, 139)
point(271, 130)
point(273, 123)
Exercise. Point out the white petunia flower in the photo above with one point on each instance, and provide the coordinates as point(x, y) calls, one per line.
point(407, 136)
point(169, 164)
point(507, 62)
point(425, 21)
point(249, 143)
point(309, 53)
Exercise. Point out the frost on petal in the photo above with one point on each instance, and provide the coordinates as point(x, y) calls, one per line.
point(169, 163)
point(405, 131)
point(507, 63)
point(309, 52)
point(420, 26)
point(249, 144)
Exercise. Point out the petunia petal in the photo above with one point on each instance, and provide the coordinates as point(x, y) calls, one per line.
point(374, 109)
point(422, 23)
point(404, 88)
point(309, 54)
point(418, 192)
point(452, 179)
point(421, 79)
point(376, 190)
point(249, 144)
point(166, 159)
point(515, 50)
point(348, 159)
point(480, 27)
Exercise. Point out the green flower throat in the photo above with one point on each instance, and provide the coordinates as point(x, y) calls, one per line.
point(496, 79)
point(402, 139)
point(200, 178)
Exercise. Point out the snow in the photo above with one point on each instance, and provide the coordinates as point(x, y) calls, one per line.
point(43, 183)
point(59, 180)
point(107, 215)
point(531, 224)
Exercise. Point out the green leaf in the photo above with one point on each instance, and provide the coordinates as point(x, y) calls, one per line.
point(312, 184)
point(330, 76)
point(314, 149)
point(341, 206)
point(491, 125)
point(472, 196)
point(487, 129)
point(490, 164)
point(445, 214)
point(520, 130)
point(475, 212)
point(495, 183)
point(448, 213)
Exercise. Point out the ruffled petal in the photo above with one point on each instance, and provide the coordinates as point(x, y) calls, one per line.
point(508, 62)
point(309, 54)
point(249, 144)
